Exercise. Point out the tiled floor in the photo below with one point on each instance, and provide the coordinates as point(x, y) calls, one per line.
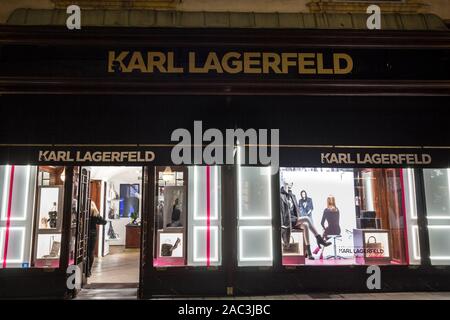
point(120, 266)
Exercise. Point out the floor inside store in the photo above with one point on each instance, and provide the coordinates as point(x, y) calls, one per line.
point(120, 266)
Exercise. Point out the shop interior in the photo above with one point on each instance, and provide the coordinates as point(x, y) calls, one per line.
point(116, 194)
point(358, 212)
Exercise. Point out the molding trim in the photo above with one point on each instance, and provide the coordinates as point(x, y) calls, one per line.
point(338, 6)
point(119, 4)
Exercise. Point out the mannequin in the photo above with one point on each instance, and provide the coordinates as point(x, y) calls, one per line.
point(291, 218)
point(306, 205)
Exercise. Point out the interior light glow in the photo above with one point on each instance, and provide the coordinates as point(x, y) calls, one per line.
point(196, 215)
point(411, 194)
point(63, 175)
point(268, 216)
point(216, 195)
point(239, 175)
point(215, 182)
point(25, 195)
point(215, 233)
point(448, 181)
point(241, 244)
point(441, 227)
point(415, 241)
point(22, 246)
point(5, 192)
point(167, 174)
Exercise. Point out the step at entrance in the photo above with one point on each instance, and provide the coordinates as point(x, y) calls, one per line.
point(107, 294)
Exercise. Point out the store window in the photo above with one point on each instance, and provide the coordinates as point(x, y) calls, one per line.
point(31, 216)
point(333, 216)
point(188, 216)
point(254, 197)
point(437, 195)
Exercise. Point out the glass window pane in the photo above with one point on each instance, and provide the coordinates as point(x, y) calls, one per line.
point(254, 193)
point(17, 188)
point(437, 195)
point(255, 246)
point(439, 243)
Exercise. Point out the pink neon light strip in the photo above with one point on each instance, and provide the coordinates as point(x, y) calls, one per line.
point(208, 216)
point(405, 225)
point(8, 216)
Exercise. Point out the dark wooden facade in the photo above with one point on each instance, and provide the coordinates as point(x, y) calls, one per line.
point(49, 92)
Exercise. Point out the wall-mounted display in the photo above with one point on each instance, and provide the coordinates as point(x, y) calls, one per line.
point(49, 210)
point(129, 200)
point(175, 206)
point(171, 245)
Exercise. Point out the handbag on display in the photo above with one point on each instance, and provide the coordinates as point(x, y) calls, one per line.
point(167, 249)
point(292, 247)
point(374, 249)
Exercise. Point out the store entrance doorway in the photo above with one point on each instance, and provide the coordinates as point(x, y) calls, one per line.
point(113, 254)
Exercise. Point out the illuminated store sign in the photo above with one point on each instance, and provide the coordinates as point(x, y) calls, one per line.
point(97, 156)
point(232, 62)
point(375, 158)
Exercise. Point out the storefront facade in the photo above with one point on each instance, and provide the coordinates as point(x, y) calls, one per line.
point(362, 131)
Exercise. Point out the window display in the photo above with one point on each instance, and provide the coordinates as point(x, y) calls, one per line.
point(352, 216)
point(188, 216)
point(49, 209)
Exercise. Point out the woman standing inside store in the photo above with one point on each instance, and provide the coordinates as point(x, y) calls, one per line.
point(94, 221)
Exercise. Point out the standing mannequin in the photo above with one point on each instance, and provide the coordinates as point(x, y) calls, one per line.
point(306, 205)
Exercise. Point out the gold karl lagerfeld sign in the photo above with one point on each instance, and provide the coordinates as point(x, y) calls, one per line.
point(231, 62)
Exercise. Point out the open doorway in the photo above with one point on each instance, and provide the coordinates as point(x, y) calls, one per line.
point(116, 194)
